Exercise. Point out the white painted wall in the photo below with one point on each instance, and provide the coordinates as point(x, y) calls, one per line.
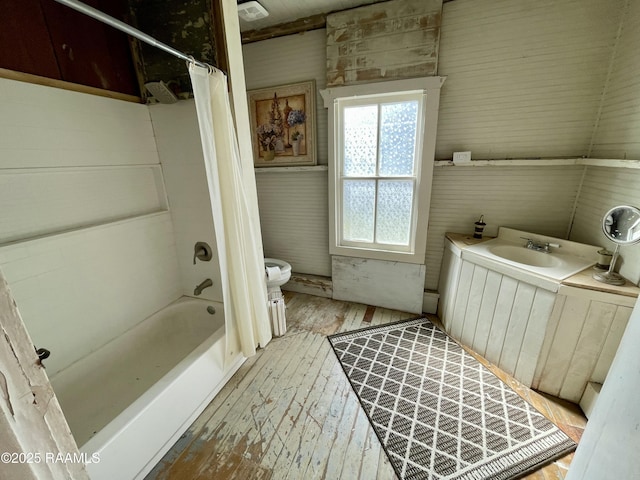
point(536, 199)
point(294, 205)
point(50, 196)
point(525, 79)
point(47, 127)
point(296, 231)
point(291, 59)
point(180, 151)
point(616, 134)
point(602, 189)
point(382, 283)
point(82, 158)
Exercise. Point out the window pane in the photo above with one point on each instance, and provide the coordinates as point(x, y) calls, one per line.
point(398, 123)
point(360, 140)
point(358, 206)
point(395, 198)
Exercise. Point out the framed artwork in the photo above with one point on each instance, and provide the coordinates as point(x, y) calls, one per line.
point(283, 125)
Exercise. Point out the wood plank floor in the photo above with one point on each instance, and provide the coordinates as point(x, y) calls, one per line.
point(290, 413)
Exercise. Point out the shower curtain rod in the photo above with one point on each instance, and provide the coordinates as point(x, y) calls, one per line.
point(104, 18)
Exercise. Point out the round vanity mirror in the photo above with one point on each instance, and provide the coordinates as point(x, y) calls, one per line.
point(621, 225)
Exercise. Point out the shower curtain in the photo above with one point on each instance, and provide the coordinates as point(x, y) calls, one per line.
point(234, 216)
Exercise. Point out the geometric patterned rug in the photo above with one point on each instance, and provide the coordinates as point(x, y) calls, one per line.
point(438, 412)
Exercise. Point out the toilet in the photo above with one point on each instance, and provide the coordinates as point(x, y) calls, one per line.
point(277, 273)
point(275, 278)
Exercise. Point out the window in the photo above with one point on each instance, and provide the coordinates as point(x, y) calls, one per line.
point(381, 168)
point(378, 167)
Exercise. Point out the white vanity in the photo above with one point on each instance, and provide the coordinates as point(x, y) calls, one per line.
point(539, 316)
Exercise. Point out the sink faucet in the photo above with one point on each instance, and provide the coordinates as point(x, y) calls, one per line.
point(198, 290)
point(539, 247)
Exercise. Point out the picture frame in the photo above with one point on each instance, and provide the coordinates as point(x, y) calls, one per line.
point(283, 125)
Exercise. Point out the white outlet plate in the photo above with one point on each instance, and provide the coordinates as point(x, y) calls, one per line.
point(461, 157)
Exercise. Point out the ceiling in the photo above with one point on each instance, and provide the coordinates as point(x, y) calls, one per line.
point(286, 11)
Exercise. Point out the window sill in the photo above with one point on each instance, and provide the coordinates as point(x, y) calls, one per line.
point(388, 255)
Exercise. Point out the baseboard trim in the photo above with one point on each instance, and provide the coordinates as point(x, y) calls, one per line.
point(310, 284)
point(430, 301)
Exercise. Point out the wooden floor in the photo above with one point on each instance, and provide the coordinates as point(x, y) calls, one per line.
point(290, 413)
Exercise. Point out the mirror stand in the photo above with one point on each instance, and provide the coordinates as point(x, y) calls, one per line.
point(610, 277)
point(621, 225)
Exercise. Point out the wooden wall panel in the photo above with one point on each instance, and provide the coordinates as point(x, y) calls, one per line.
point(617, 134)
point(447, 285)
point(518, 319)
point(610, 346)
point(52, 40)
point(476, 293)
point(393, 285)
point(602, 189)
point(294, 204)
point(524, 79)
point(590, 342)
point(30, 52)
point(291, 59)
point(533, 339)
point(390, 40)
point(498, 317)
point(487, 310)
point(91, 53)
point(536, 199)
point(294, 217)
point(583, 337)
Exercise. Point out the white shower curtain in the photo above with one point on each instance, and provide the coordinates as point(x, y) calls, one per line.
point(234, 216)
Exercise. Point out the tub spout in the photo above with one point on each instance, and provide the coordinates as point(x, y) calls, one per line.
point(198, 290)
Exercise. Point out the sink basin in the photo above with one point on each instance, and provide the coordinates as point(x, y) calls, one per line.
point(508, 252)
point(526, 256)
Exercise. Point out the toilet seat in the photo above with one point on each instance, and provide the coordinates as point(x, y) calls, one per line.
point(285, 272)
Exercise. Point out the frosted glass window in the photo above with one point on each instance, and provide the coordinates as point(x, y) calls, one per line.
point(393, 216)
point(398, 123)
point(360, 140)
point(358, 210)
point(378, 159)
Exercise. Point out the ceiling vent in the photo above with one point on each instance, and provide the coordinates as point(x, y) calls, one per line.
point(251, 11)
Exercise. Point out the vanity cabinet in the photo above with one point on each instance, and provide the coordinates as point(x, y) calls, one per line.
point(582, 338)
point(549, 336)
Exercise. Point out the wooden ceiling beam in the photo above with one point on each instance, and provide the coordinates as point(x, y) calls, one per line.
point(300, 25)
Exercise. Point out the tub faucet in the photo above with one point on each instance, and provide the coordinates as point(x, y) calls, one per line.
point(198, 290)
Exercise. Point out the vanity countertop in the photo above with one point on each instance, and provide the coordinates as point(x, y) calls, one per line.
point(581, 279)
point(584, 279)
point(463, 240)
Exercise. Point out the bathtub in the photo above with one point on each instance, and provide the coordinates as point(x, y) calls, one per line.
point(130, 400)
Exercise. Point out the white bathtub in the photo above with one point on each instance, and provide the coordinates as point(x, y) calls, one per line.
point(130, 400)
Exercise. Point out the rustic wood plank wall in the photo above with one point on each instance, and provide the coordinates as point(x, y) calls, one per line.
point(390, 40)
point(581, 340)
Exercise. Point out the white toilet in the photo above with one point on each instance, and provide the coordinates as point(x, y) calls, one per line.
point(277, 273)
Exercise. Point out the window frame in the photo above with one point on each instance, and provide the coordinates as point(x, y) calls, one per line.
point(378, 100)
point(429, 89)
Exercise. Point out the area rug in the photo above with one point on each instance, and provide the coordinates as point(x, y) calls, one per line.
point(438, 412)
